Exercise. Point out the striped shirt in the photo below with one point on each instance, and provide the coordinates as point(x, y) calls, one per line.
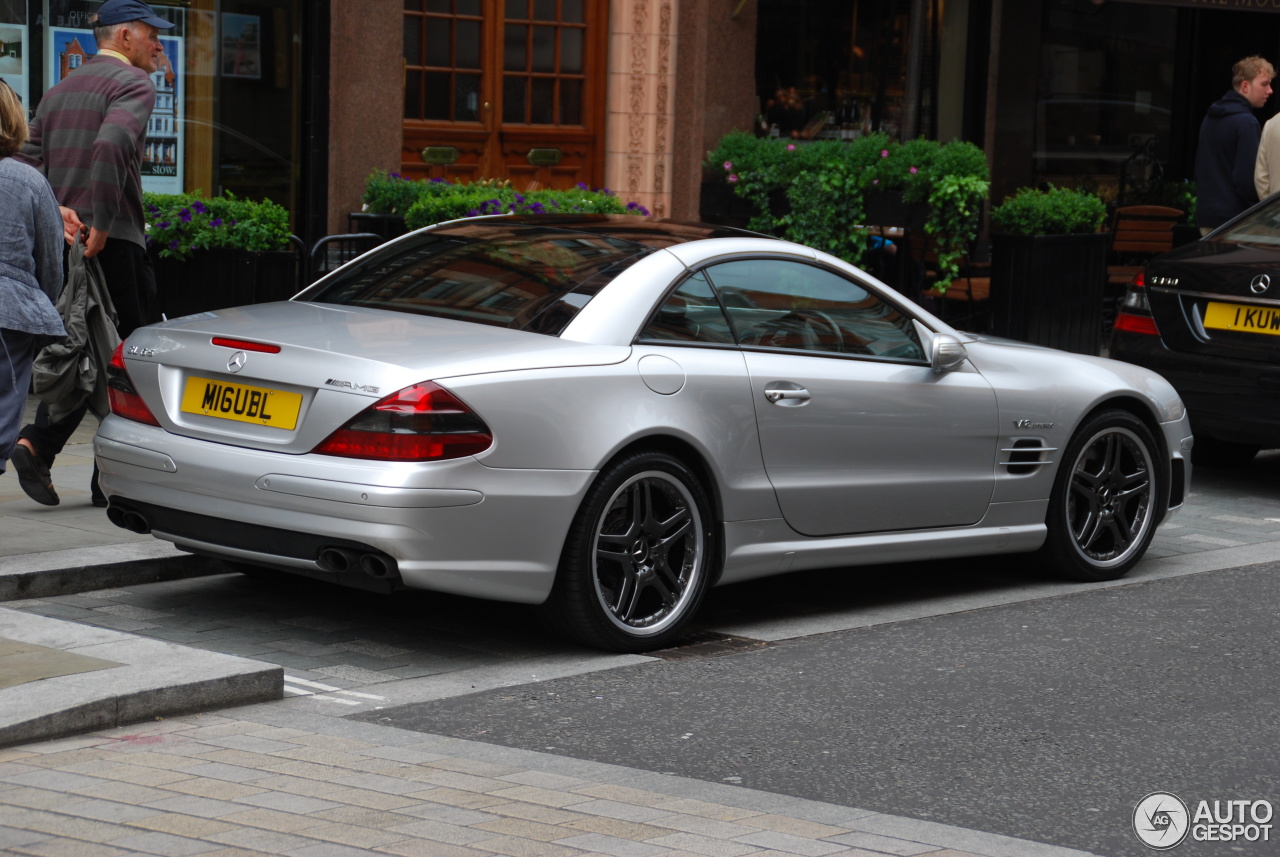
point(87, 138)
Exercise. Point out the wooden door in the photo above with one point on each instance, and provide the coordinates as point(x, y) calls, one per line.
point(506, 89)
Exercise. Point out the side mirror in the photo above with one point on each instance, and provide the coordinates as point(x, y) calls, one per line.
point(946, 352)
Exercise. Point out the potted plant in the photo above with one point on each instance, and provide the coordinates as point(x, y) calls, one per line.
point(387, 197)
point(216, 252)
point(1048, 268)
point(833, 190)
point(442, 201)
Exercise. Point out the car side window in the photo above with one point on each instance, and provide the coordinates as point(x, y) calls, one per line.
point(775, 303)
point(691, 313)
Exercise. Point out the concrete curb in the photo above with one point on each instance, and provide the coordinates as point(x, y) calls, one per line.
point(46, 575)
point(150, 679)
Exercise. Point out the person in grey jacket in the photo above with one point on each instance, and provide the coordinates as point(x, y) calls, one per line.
point(31, 240)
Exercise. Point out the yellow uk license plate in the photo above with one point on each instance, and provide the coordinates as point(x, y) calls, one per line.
point(258, 405)
point(1243, 319)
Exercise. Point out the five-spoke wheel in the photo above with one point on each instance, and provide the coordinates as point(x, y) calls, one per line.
point(638, 558)
point(1105, 503)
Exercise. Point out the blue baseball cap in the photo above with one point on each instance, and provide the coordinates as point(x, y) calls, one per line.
point(123, 11)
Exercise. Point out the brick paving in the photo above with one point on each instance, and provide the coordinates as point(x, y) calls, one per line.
point(249, 782)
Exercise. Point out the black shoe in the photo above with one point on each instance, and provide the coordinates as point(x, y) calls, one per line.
point(34, 477)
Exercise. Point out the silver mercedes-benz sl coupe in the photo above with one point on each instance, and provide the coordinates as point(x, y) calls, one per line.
point(605, 416)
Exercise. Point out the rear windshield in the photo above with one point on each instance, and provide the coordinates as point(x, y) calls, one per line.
point(525, 277)
point(1262, 227)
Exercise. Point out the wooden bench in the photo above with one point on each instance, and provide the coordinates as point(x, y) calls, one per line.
point(1138, 233)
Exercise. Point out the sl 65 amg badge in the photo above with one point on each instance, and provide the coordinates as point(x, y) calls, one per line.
point(363, 388)
point(137, 351)
point(1031, 424)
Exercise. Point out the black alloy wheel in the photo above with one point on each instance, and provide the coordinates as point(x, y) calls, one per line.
point(638, 557)
point(1105, 502)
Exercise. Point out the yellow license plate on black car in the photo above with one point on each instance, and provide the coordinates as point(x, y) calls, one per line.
point(258, 405)
point(1242, 319)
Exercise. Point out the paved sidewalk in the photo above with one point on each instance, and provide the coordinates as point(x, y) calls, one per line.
point(277, 777)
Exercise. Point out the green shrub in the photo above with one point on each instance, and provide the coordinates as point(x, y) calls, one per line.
point(1056, 211)
point(826, 183)
point(179, 223)
point(447, 201)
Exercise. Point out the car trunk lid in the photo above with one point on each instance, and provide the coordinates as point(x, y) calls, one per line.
point(1218, 299)
point(322, 365)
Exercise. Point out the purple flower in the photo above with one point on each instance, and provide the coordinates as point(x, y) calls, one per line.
point(394, 176)
point(582, 186)
point(164, 225)
point(875, 181)
point(185, 215)
point(439, 181)
point(913, 171)
point(791, 147)
point(217, 221)
point(884, 153)
point(733, 177)
point(728, 166)
point(473, 213)
point(537, 208)
point(199, 207)
point(173, 245)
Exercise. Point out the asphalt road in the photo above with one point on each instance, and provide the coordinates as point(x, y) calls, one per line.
point(1047, 720)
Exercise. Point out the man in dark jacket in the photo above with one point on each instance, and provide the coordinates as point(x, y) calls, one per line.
point(1228, 148)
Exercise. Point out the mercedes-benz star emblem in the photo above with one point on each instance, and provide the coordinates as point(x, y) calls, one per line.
point(236, 363)
point(1260, 284)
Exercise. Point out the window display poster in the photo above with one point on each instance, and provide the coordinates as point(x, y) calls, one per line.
point(162, 152)
point(241, 46)
point(14, 58)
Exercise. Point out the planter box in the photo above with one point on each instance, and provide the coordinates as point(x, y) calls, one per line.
point(387, 225)
point(1048, 289)
point(888, 208)
point(214, 279)
point(718, 204)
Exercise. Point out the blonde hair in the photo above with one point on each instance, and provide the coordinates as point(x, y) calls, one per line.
point(1249, 68)
point(13, 121)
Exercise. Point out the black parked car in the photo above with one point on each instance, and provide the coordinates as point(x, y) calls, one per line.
point(1206, 316)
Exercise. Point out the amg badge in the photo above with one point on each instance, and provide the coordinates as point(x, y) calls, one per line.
point(349, 385)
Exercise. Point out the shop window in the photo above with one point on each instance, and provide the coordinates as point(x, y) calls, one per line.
point(227, 88)
point(1105, 100)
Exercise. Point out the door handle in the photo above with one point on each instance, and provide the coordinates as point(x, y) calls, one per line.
point(789, 395)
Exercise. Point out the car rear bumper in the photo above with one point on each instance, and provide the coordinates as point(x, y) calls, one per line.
point(1232, 400)
point(453, 526)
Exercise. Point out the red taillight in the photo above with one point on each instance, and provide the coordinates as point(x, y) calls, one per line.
point(246, 345)
point(424, 422)
point(1137, 324)
point(123, 396)
point(1134, 314)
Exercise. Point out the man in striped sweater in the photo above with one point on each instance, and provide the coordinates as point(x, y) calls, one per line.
point(87, 138)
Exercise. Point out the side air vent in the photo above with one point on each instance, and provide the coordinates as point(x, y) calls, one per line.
point(1027, 455)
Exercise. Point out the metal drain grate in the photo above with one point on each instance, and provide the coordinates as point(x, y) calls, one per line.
point(708, 644)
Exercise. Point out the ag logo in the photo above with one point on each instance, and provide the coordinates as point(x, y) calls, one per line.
point(1161, 820)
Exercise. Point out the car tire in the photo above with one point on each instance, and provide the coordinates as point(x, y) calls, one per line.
point(1211, 452)
point(638, 557)
point(1106, 499)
